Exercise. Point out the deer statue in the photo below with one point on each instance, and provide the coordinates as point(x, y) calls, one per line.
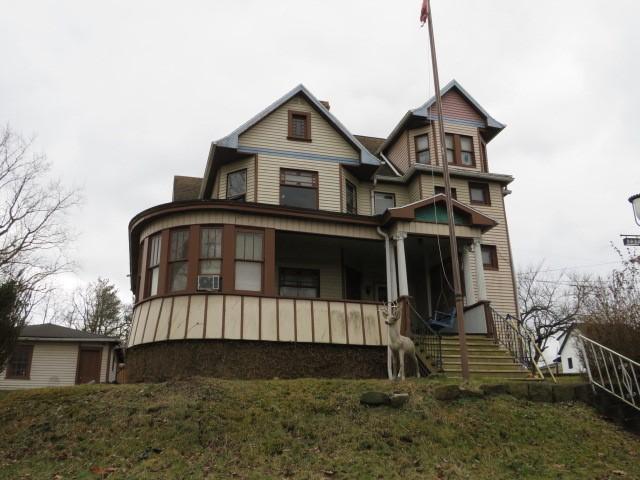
point(398, 343)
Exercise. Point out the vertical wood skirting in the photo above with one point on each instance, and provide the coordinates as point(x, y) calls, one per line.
point(295, 320)
point(164, 262)
point(206, 316)
point(379, 326)
point(278, 319)
point(346, 322)
point(224, 314)
point(329, 319)
point(242, 317)
point(228, 258)
point(364, 337)
point(155, 332)
point(186, 320)
point(313, 324)
point(259, 318)
point(269, 286)
point(170, 318)
point(144, 329)
point(136, 320)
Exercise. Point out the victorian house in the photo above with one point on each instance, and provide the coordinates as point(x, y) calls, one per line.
point(276, 261)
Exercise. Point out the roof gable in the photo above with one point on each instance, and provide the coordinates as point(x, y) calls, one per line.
point(232, 140)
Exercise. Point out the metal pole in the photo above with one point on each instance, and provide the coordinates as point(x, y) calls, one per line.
point(457, 286)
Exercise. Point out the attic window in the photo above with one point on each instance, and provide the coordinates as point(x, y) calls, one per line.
point(299, 126)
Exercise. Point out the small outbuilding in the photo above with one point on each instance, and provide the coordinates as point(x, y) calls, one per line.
point(49, 355)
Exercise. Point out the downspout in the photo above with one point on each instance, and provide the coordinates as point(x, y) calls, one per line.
point(388, 272)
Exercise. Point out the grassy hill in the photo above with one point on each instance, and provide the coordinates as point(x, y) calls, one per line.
point(301, 429)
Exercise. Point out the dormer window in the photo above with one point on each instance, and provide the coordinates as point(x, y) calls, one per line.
point(422, 149)
point(299, 126)
point(237, 185)
point(460, 150)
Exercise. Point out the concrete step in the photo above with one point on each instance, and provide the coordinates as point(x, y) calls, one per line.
point(448, 366)
point(480, 358)
point(506, 374)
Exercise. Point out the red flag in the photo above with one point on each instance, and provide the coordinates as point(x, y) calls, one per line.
point(424, 12)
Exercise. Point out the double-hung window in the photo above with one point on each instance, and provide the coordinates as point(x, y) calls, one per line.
point(438, 189)
point(210, 251)
point(460, 150)
point(351, 199)
point(249, 260)
point(383, 201)
point(19, 364)
point(299, 282)
point(153, 265)
point(298, 188)
point(489, 257)
point(178, 264)
point(237, 185)
point(422, 149)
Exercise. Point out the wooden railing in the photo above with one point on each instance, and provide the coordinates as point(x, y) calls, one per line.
point(250, 317)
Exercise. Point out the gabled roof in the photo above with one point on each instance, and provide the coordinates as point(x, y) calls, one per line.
point(566, 337)
point(408, 212)
point(52, 332)
point(422, 113)
point(423, 110)
point(231, 140)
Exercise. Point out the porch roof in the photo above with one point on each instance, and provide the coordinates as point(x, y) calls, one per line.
point(409, 212)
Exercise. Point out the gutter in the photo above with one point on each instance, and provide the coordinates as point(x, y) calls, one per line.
point(387, 252)
point(496, 177)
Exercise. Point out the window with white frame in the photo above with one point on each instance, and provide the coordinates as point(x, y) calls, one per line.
point(249, 261)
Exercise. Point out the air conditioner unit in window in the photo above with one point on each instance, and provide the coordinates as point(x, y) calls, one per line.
point(209, 282)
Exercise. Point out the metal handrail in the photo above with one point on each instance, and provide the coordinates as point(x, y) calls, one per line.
point(431, 342)
point(507, 332)
point(626, 381)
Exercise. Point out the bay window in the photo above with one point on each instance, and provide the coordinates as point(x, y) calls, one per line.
point(153, 265)
point(178, 264)
point(210, 251)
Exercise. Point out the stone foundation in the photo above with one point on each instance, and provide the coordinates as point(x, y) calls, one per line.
point(233, 359)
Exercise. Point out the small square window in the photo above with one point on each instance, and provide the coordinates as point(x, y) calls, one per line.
point(299, 126)
point(479, 194)
point(383, 201)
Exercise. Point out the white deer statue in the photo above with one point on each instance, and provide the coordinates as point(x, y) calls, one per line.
point(398, 343)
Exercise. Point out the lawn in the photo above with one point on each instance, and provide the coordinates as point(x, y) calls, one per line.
point(312, 429)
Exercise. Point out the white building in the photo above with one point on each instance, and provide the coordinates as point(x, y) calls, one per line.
point(569, 352)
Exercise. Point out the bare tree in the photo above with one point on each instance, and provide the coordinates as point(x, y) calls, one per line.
point(550, 305)
point(33, 231)
point(612, 311)
point(97, 309)
point(9, 319)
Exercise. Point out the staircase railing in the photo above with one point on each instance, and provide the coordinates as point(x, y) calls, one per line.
point(508, 332)
point(610, 371)
point(429, 342)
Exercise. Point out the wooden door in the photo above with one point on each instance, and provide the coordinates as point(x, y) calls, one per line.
point(89, 361)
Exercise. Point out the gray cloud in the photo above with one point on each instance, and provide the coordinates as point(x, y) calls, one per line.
point(123, 95)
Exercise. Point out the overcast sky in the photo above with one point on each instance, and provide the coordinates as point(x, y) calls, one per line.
point(123, 95)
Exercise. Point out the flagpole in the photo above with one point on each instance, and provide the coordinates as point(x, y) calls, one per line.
point(455, 264)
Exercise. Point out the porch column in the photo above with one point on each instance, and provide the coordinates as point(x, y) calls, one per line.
point(470, 296)
point(482, 286)
point(403, 285)
point(392, 289)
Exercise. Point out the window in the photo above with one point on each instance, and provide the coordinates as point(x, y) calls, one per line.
point(422, 149)
point(460, 150)
point(237, 185)
point(249, 258)
point(437, 190)
point(489, 257)
point(479, 193)
point(298, 188)
point(153, 265)
point(351, 198)
point(299, 282)
point(210, 251)
point(19, 364)
point(299, 126)
point(178, 251)
point(383, 201)
point(570, 363)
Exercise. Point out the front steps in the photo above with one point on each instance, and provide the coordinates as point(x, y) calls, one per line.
point(486, 359)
